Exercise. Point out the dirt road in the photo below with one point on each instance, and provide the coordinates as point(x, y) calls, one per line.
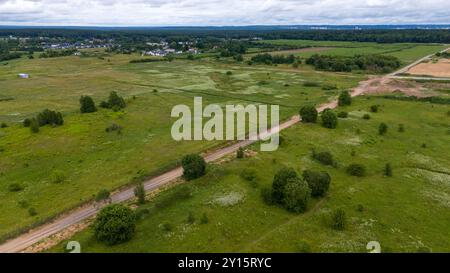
point(76, 216)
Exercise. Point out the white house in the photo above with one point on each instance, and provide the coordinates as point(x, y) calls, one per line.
point(24, 76)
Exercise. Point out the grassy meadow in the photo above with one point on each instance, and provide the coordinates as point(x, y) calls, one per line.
point(408, 212)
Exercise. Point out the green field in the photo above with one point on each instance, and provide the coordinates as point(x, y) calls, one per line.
point(92, 159)
point(406, 52)
point(408, 212)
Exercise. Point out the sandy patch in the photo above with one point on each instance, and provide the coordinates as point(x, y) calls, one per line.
point(440, 69)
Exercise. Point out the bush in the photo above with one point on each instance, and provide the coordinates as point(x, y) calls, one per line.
point(329, 119)
point(280, 180)
point(308, 114)
point(194, 166)
point(366, 116)
point(26, 122)
point(57, 177)
point(191, 218)
point(114, 127)
point(401, 128)
point(114, 102)
point(49, 117)
point(240, 153)
point(87, 105)
point(374, 108)
point(356, 170)
point(204, 219)
point(34, 125)
point(167, 227)
point(318, 182)
point(382, 129)
point(139, 192)
point(326, 158)
point(114, 224)
point(248, 174)
point(342, 114)
point(32, 212)
point(311, 84)
point(3, 125)
point(15, 187)
point(266, 194)
point(344, 99)
point(102, 195)
point(339, 219)
point(388, 170)
point(296, 195)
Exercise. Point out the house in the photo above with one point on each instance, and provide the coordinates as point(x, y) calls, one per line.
point(23, 76)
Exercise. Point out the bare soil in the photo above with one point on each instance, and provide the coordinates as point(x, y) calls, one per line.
point(440, 69)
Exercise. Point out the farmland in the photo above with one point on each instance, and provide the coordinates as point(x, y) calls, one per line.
point(408, 212)
point(89, 159)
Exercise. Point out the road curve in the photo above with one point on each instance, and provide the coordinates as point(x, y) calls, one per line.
point(26, 240)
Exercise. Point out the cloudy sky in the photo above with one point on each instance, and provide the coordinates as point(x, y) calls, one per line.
point(221, 12)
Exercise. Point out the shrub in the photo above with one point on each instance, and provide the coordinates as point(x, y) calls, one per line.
point(339, 219)
point(139, 192)
point(57, 177)
point(87, 105)
point(326, 158)
point(114, 102)
point(15, 187)
point(167, 227)
point(114, 224)
point(310, 84)
point(401, 128)
point(240, 153)
point(26, 122)
point(248, 174)
point(114, 127)
point(23, 204)
point(32, 212)
point(374, 108)
point(34, 125)
point(102, 195)
point(344, 99)
point(204, 219)
point(229, 73)
point(366, 116)
point(318, 182)
point(329, 119)
point(49, 117)
point(194, 166)
point(342, 114)
point(388, 170)
point(308, 114)
point(296, 195)
point(191, 218)
point(280, 180)
point(382, 129)
point(3, 125)
point(266, 194)
point(356, 170)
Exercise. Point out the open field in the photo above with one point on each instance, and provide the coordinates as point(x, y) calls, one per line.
point(406, 52)
point(408, 212)
point(439, 68)
point(91, 159)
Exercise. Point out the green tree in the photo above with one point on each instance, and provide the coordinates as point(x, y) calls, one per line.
point(344, 99)
point(329, 119)
point(280, 180)
point(296, 195)
point(139, 192)
point(318, 182)
point(114, 224)
point(87, 105)
point(308, 114)
point(194, 166)
point(34, 125)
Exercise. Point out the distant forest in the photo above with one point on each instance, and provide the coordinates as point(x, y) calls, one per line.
point(379, 36)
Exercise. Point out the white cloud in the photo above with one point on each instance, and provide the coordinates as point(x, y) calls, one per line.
point(221, 12)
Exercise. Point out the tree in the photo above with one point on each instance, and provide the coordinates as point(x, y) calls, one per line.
point(374, 108)
point(388, 170)
point(102, 195)
point(139, 192)
point(114, 102)
point(344, 99)
point(280, 180)
point(194, 166)
point(318, 182)
point(308, 114)
point(87, 105)
point(382, 129)
point(329, 119)
point(325, 158)
point(114, 224)
point(339, 219)
point(34, 125)
point(296, 195)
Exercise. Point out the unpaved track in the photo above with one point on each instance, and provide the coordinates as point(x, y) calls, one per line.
point(76, 216)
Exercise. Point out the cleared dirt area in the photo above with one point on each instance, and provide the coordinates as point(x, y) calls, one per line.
point(380, 85)
point(440, 69)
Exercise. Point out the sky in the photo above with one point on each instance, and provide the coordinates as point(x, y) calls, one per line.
point(221, 12)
